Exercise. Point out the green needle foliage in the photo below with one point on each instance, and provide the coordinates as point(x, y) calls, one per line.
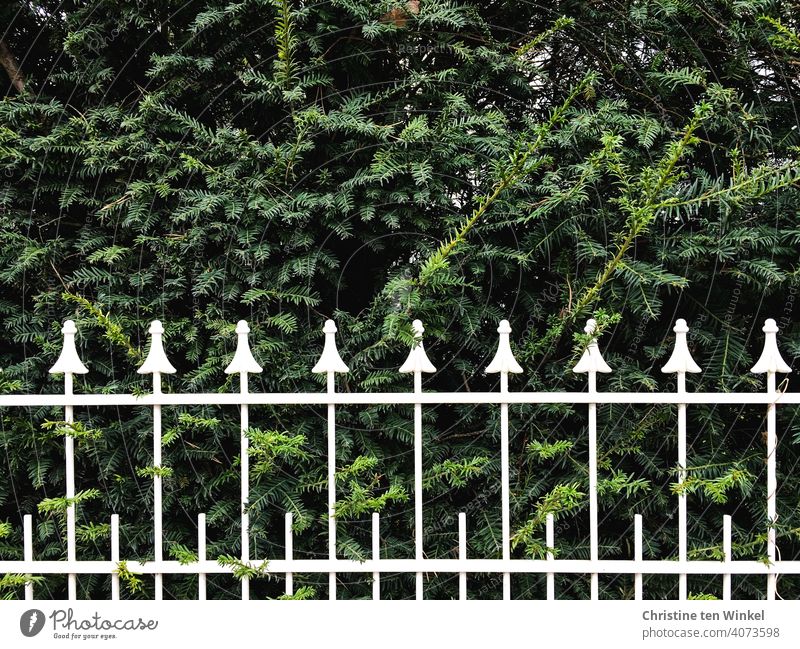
point(459, 162)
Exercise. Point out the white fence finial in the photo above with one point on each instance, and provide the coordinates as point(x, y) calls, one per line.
point(243, 360)
point(771, 360)
point(503, 360)
point(592, 359)
point(330, 361)
point(417, 360)
point(681, 359)
point(156, 361)
point(69, 362)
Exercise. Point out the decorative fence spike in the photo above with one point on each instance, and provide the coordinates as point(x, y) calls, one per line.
point(592, 359)
point(330, 361)
point(681, 359)
point(156, 361)
point(69, 362)
point(417, 360)
point(243, 360)
point(503, 360)
point(771, 359)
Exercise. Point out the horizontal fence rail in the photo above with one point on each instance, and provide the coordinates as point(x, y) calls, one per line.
point(330, 363)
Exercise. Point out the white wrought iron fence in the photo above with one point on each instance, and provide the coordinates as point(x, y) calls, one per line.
point(591, 363)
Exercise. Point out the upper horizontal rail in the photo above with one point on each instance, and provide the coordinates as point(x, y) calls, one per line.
point(517, 566)
point(366, 398)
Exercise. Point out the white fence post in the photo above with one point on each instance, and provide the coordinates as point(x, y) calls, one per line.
point(115, 555)
point(680, 363)
point(637, 555)
point(242, 363)
point(591, 363)
point(288, 540)
point(157, 364)
point(726, 550)
point(550, 542)
point(201, 555)
point(417, 362)
point(771, 362)
point(27, 549)
point(504, 362)
point(376, 555)
point(462, 554)
point(329, 363)
point(69, 363)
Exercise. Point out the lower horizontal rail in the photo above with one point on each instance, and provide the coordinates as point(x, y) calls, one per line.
point(412, 565)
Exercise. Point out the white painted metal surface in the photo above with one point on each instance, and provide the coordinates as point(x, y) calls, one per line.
point(591, 363)
point(417, 363)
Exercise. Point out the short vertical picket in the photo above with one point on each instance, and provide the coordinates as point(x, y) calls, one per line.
point(637, 555)
point(288, 541)
point(376, 555)
point(201, 555)
point(27, 549)
point(726, 551)
point(550, 542)
point(115, 555)
point(462, 554)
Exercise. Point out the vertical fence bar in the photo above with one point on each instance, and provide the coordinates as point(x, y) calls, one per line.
point(241, 364)
point(771, 362)
point(331, 485)
point(505, 486)
point(726, 550)
point(68, 364)
point(637, 555)
point(27, 549)
point(417, 363)
point(504, 362)
point(115, 555)
point(289, 543)
point(158, 530)
point(682, 581)
point(679, 363)
point(69, 453)
point(591, 363)
point(245, 486)
point(329, 363)
point(201, 555)
point(462, 554)
point(157, 364)
point(418, 482)
point(772, 486)
point(593, 541)
point(550, 543)
point(376, 555)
